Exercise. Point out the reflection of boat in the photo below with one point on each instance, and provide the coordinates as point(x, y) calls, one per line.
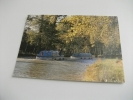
point(54, 55)
point(81, 56)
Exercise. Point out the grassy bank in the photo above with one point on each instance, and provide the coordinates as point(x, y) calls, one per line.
point(105, 70)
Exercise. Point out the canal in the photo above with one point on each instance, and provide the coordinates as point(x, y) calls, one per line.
point(72, 70)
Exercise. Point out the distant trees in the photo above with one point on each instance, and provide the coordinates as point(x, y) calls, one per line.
point(98, 35)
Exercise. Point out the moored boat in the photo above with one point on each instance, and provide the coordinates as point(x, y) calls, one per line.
point(51, 54)
point(81, 56)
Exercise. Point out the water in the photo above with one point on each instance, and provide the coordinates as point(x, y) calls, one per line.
point(50, 69)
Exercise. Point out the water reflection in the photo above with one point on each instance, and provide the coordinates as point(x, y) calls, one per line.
point(46, 69)
point(36, 70)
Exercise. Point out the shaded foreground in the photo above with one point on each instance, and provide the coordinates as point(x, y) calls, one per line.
point(107, 70)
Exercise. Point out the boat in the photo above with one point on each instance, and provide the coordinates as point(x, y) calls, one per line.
point(49, 55)
point(81, 56)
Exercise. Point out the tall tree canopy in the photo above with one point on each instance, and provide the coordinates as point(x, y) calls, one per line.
point(98, 35)
point(82, 33)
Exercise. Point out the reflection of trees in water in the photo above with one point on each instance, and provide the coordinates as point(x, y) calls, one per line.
point(37, 70)
point(47, 69)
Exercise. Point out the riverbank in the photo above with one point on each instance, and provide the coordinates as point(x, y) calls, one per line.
point(105, 70)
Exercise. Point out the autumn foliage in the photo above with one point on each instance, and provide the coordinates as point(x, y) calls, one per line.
point(98, 35)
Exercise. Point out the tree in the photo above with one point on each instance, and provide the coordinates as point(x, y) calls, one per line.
point(87, 33)
point(98, 35)
point(40, 33)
